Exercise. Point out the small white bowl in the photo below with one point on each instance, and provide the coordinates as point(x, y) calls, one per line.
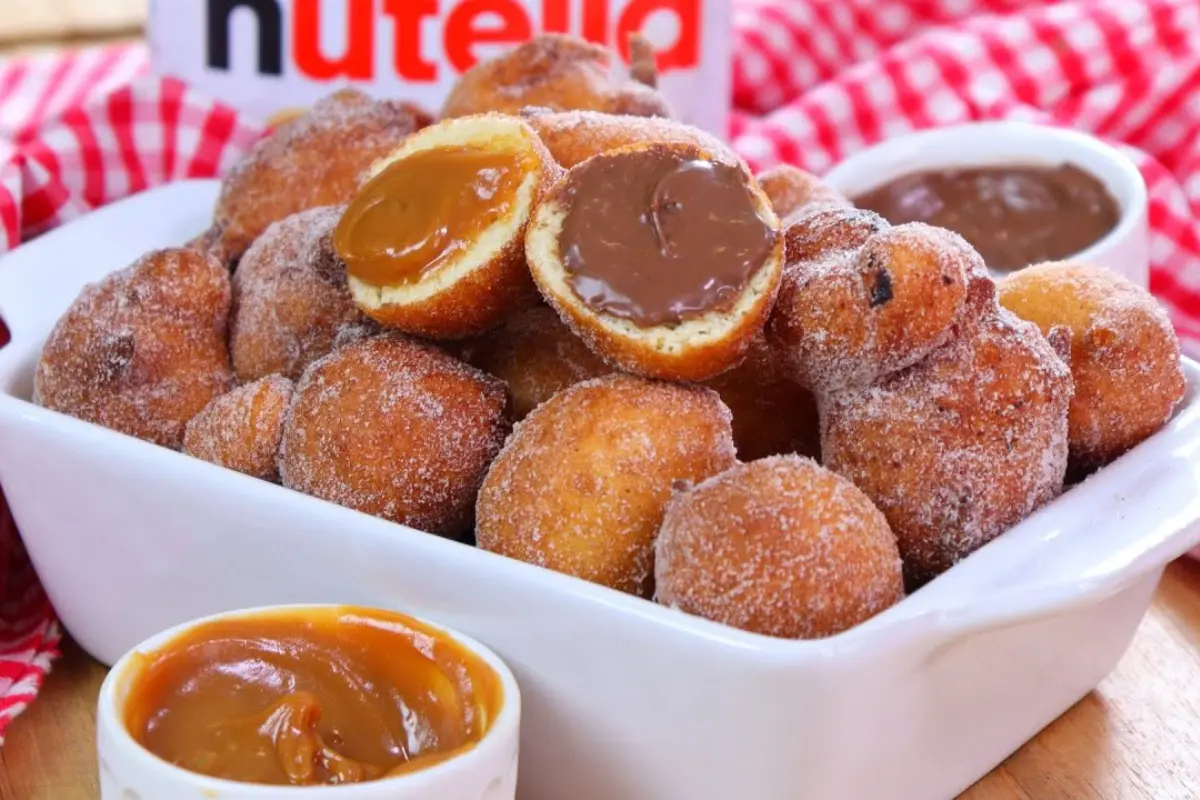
point(1125, 249)
point(487, 771)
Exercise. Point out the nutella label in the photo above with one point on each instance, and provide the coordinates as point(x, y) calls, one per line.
point(266, 57)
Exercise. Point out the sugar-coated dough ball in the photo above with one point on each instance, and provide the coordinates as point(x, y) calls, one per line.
point(143, 350)
point(779, 546)
point(1124, 354)
point(537, 355)
point(290, 298)
point(582, 483)
point(395, 428)
point(846, 317)
point(962, 446)
point(241, 429)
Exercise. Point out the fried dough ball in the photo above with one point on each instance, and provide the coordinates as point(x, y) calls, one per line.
point(553, 71)
point(290, 299)
point(793, 190)
point(143, 350)
point(316, 159)
point(601, 231)
point(779, 546)
point(575, 136)
point(581, 485)
point(241, 429)
point(960, 447)
point(395, 428)
point(855, 314)
point(772, 414)
point(537, 356)
point(434, 241)
point(1124, 354)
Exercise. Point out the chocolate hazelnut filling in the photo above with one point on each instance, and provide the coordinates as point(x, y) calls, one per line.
point(1014, 216)
point(660, 236)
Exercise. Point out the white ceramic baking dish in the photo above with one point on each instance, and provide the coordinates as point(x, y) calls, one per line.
point(623, 699)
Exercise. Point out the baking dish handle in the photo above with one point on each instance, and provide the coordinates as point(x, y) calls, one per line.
point(1139, 514)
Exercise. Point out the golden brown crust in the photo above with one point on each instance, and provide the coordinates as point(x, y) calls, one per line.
point(241, 429)
point(694, 359)
point(395, 428)
point(779, 546)
point(143, 350)
point(1124, 354)
point(290, 299)
point(575, 136)
point(581, 485)
point(537, 356)
point(552, 71)
point(485, 296)
point(772, 414)
point(313, 160)
point(962, 446)
point(793, 190)
point(854, 314)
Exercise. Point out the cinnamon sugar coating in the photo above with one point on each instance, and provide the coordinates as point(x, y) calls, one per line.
point(143, 350)
point(537, 356)
point(553, 71)
point(1124, 354)
point(793, 191)
point(575, 136)
point(395, 428)
point(315, 159)
point(964, 444)
point(291, 302)
point(581, 485)
point(850, 312)
point(779, 546)
point(241, 429)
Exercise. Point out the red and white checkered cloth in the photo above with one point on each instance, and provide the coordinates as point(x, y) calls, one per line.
point(814, 81)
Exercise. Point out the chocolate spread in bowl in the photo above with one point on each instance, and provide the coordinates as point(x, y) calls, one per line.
point(1013, 215)
point(660, 236)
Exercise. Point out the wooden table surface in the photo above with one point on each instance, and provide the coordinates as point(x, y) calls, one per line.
point(1136, 738)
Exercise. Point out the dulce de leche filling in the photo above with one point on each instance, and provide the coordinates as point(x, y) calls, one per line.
point(658, 236)
point(309, 697)
point(425, 210)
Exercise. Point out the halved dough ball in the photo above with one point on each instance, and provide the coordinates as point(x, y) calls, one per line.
point(963, 445)
point(582, 483)
point(851, 316)
point(143, 350)
point(395, 428)
point(290, 299)
point(575, 136)
point(241, 429)
point(1124, 354)
point(537, 356)
point(664, 259)
point(553, 71)
point(779, 546)
point(316, 159)
point(434, 241)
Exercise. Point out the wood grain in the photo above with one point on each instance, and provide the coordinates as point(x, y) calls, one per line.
point(30, 20)
point(1136, 737)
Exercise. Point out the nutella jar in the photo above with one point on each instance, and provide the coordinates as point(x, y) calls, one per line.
point(269, 57)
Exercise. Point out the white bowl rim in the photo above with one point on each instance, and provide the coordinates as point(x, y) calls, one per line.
point(1123, 172)
point(505, 726)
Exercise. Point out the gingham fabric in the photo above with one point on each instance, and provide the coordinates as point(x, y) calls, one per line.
point(814, 81)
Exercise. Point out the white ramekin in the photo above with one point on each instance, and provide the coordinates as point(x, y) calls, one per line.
point(1125, 249)
point(488, 771)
